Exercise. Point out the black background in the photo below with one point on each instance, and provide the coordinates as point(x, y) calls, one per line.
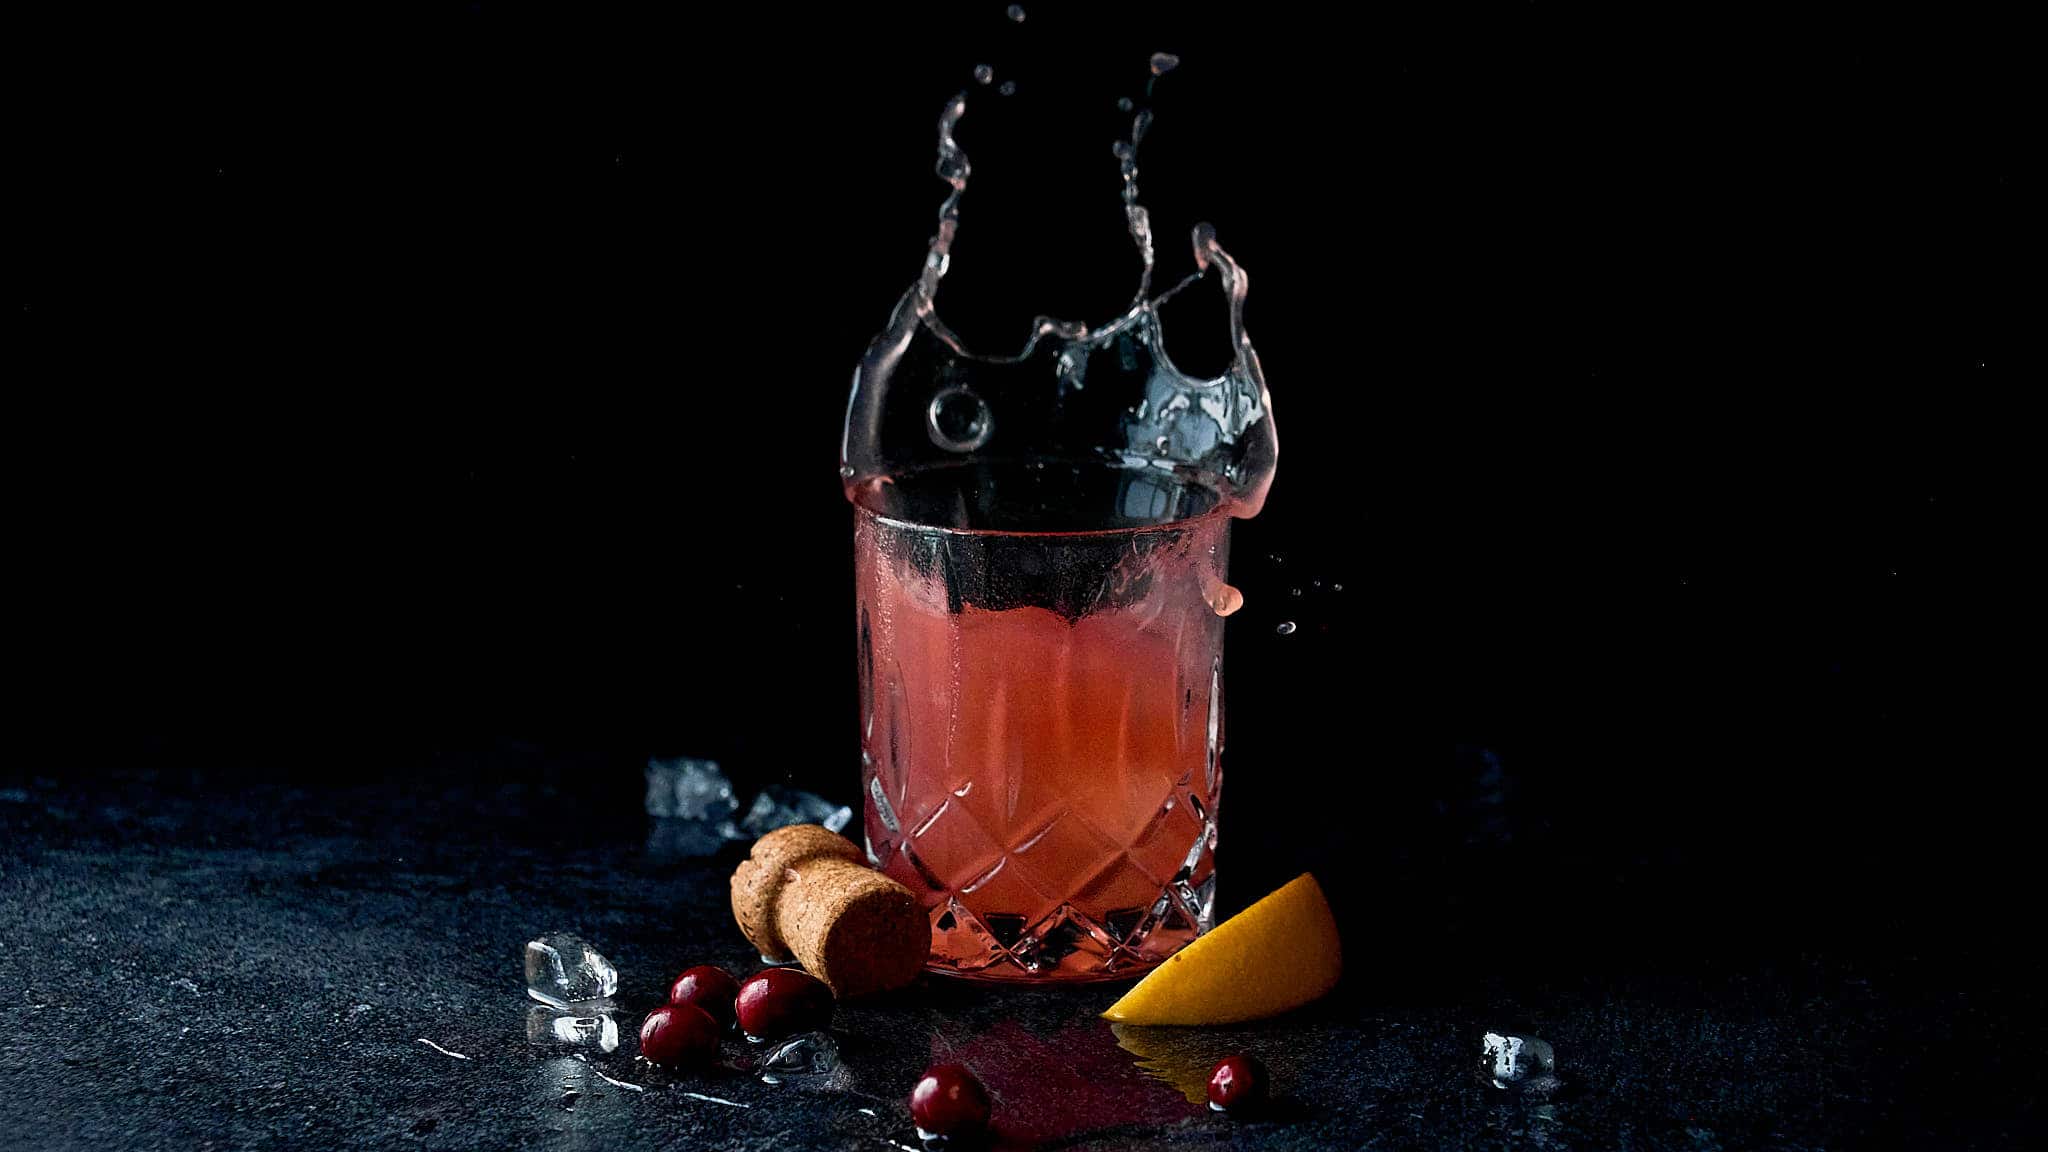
point(451, 392)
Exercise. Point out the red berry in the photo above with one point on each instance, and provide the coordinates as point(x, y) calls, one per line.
point(1239, 1081)
point(949, 1101)
point(679, 1036)
point(779, 1002)
point(708, 987)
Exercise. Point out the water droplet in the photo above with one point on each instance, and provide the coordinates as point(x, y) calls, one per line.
point(1160, 444)
point(1016, 13)
point(1509, 1061)
point(1284, 628)
point(983, 74)
point(1336, 587)
point(1121, 149)
point(1164, 62)
point(958, 420)
point(1224, 600)
point(1315, 583)
point(1123, 104)
point(1294, 591)
point(1007, 88)
point(811, 1055)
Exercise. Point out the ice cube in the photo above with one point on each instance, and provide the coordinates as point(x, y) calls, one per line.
point(592, 1027)
point(668, 839)
point(563, 969)
point(779, 807)
point(689, 789)
point(1521, 1063)
point(811, 1054)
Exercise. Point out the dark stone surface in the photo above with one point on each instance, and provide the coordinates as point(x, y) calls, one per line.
point(198, 966)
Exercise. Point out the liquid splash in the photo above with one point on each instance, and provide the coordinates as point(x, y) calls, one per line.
point(1136, 219)
point(1216, 431)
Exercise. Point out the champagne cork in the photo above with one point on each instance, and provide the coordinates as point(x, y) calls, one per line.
point(804, 892)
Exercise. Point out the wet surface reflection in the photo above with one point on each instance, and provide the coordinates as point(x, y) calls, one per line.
point(593, 1026)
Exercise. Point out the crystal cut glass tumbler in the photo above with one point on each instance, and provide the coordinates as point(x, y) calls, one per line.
point(1041, 712)
point(1041, 542)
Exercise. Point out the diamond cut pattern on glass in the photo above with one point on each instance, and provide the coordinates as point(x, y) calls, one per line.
point(1002, 915)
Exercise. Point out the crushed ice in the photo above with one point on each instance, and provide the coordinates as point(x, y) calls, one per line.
point(779, 807)
point(696, 812)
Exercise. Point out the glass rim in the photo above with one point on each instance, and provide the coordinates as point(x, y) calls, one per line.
point(849, 489)
point(1220, 512)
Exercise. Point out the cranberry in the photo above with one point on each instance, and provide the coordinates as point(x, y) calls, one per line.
point(1238, 1082)
point(949, 1101)
point(779, 1002)
point(708, 987)
point(679, 1036)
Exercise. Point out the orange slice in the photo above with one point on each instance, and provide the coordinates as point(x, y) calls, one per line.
point(1274, 956)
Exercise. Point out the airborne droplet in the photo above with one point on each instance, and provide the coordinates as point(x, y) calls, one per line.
point(1164, 62)
point(1016, 13)
point(983, 74)
point(1224, 599)
point(1284, 628)
point(1123, 104)
point(1007, 88)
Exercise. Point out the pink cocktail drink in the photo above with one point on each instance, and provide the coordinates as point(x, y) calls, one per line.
point(1041, 711)
point(1041, 542)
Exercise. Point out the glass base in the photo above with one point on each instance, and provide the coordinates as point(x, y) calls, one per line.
point(1067, 945)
